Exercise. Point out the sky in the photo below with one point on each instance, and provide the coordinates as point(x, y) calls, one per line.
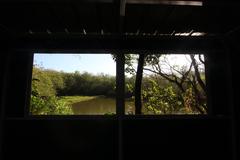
point(92, 63)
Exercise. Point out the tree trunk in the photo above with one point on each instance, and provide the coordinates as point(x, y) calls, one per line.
point(138, 84)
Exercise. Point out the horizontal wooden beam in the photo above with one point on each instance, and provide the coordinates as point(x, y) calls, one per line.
point(167, 2)
point(110, 43)
point(157, 2)
point(56, 1)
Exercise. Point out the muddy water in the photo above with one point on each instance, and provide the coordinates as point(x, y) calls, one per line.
point(99, 106)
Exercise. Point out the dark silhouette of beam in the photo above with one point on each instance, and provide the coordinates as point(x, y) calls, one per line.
point(72, 42)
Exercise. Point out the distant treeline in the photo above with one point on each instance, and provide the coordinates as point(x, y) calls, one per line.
point(51, 82)
point(58, 83)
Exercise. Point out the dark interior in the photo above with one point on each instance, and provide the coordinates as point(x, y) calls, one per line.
point(116, 26)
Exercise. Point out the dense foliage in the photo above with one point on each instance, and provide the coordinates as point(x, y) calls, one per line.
point(161, 100)
point(87, 84)
point(168, 88)
point(49, 85)
point(43, 94)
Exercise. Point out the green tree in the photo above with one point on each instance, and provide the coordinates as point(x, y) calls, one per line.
point(43, 99)
point(42, 82)
point(182, 78)
point(161, 100)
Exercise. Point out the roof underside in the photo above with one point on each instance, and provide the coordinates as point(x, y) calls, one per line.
point(103, 17)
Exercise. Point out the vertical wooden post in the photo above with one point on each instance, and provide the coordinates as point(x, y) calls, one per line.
point(232, 75)
point(3, 79)
point(28, 82)
point(18, 72)
point(120, 81)
point(208, 91)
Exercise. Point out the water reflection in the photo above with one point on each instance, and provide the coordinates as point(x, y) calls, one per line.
point(96, 106)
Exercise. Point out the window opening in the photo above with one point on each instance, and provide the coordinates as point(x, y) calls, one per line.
point(73, 84)
point(169, 84)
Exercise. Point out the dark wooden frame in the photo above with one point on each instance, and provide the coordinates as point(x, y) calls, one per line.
point(119, 45)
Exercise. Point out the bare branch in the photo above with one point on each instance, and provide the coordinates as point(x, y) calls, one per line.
point(160, 73)
point(186, 74)
point(167, 77)
point(197, 94)
point(202, 85)
point(200, 59)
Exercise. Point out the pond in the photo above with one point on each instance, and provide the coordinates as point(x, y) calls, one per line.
point(99, 106)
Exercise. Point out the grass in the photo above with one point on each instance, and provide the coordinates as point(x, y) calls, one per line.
point(74, 99)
